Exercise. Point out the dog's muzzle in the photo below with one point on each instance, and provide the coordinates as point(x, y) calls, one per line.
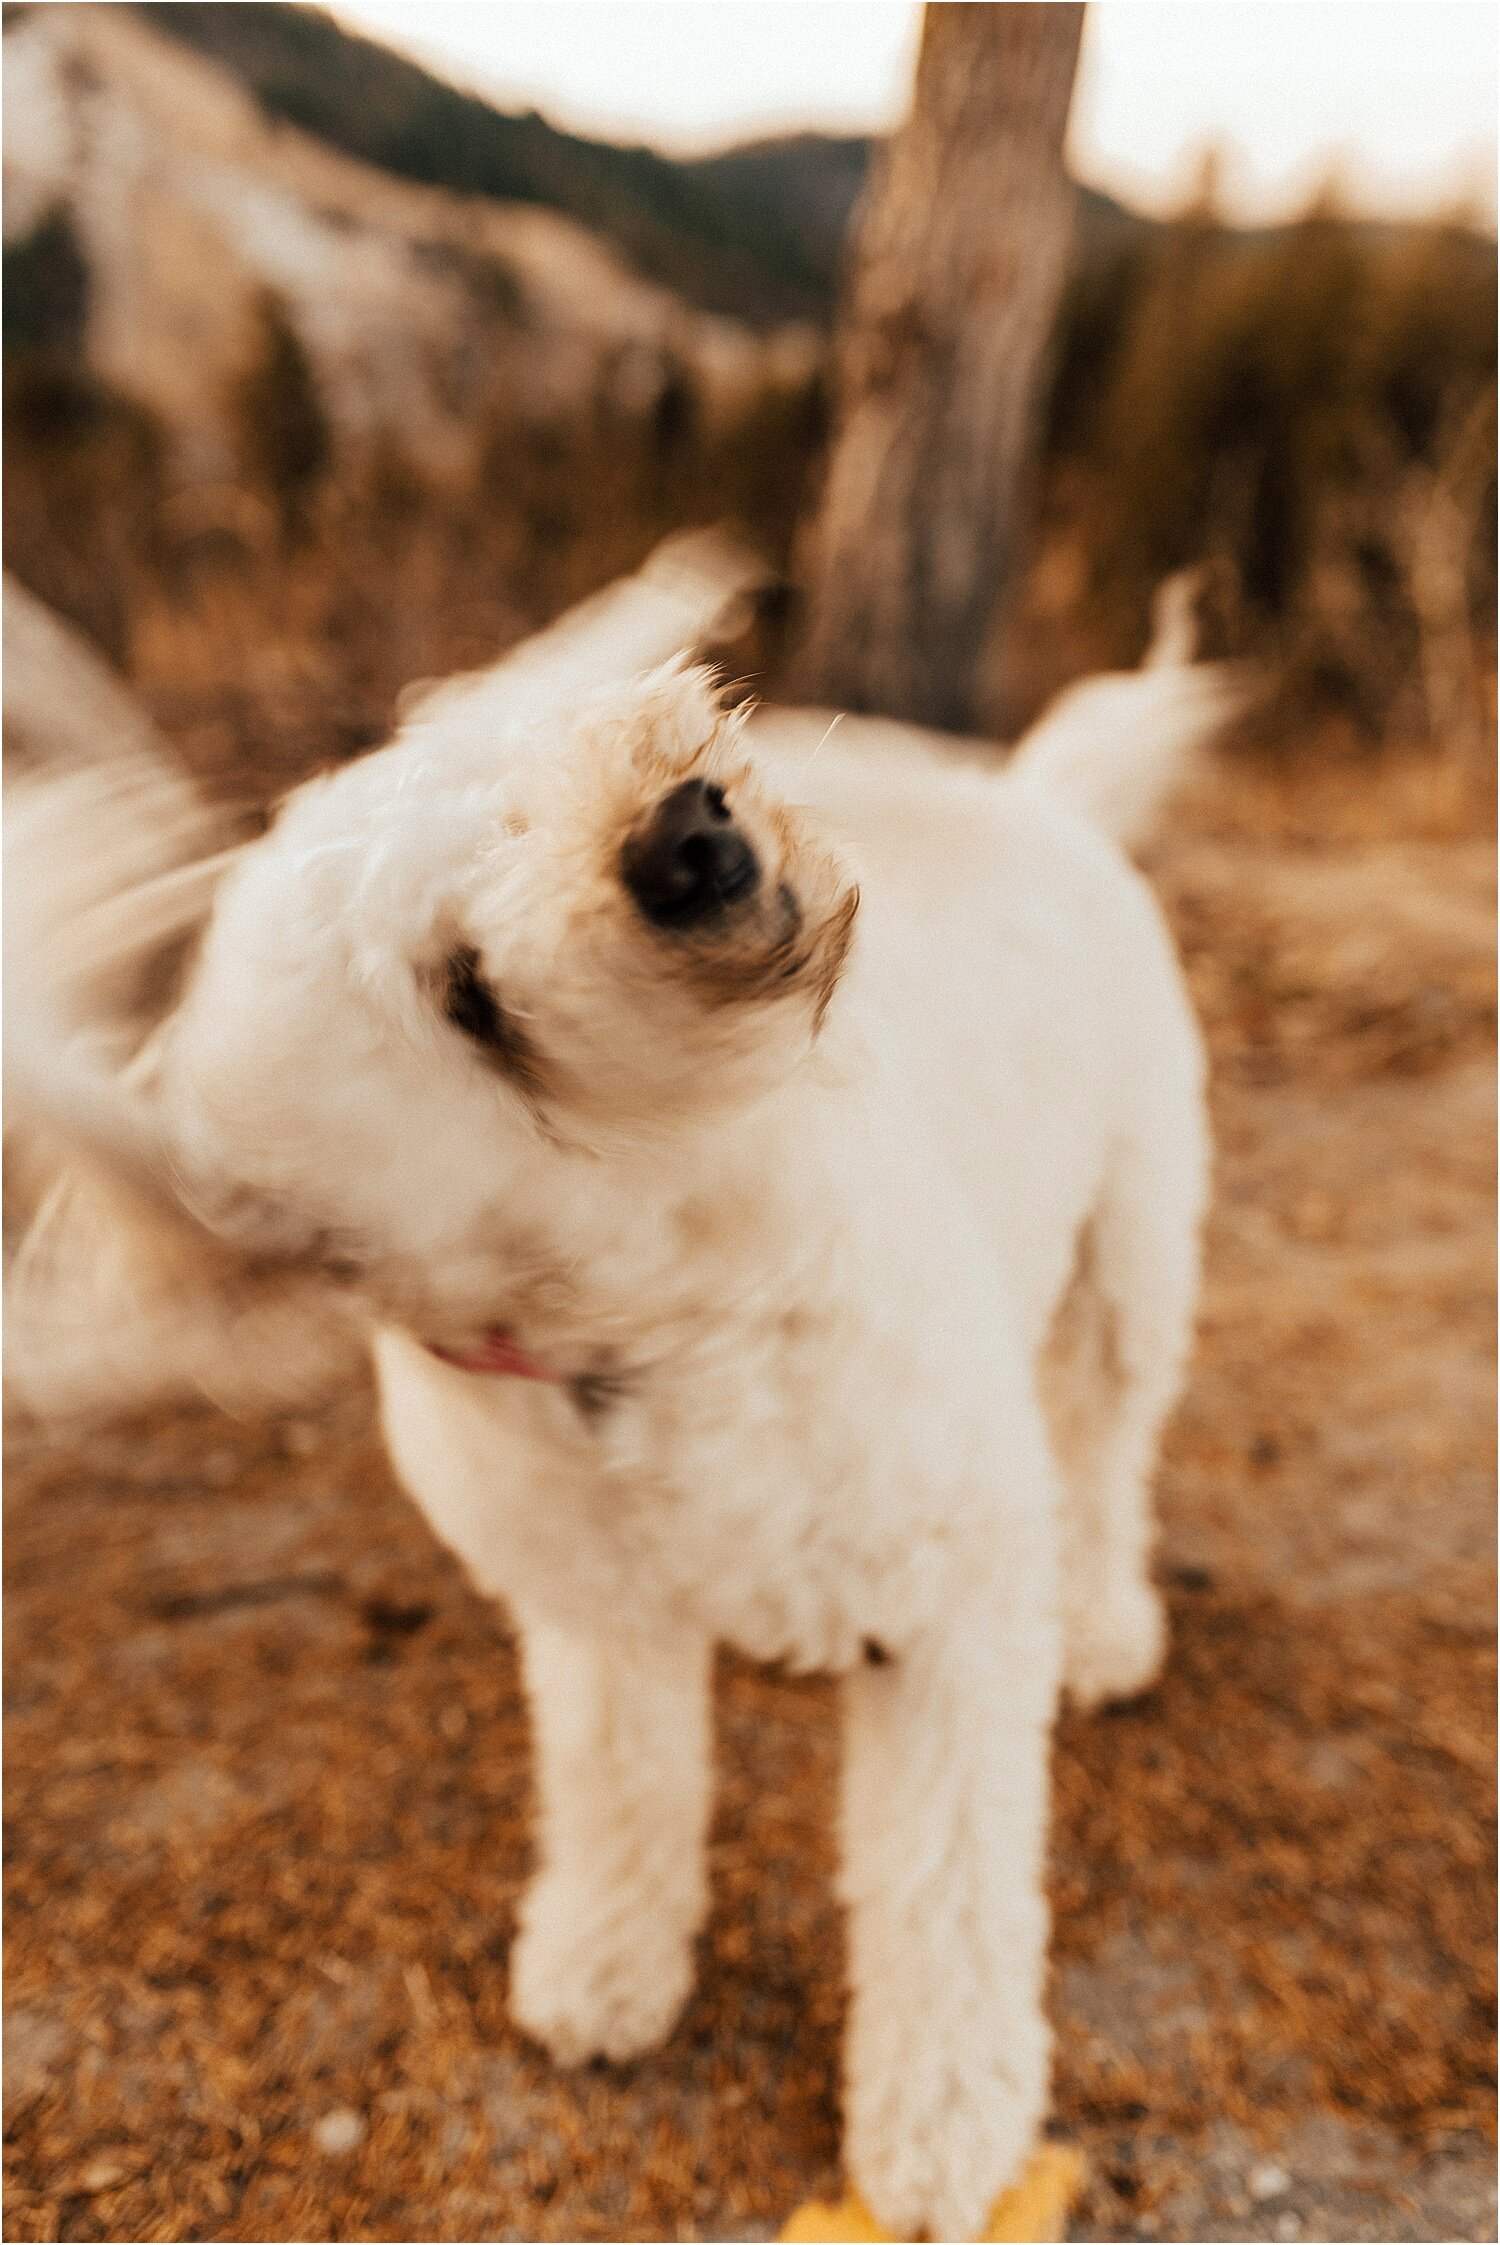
point(688, 864)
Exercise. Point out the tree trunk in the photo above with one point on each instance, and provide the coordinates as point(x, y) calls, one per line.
point(961, 251)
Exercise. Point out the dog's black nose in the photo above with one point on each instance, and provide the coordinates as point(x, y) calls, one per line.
point(689, 861)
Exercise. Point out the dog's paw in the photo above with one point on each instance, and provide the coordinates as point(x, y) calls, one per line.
point(1117, 1649)
point(932, 2158)
point(586, 1983)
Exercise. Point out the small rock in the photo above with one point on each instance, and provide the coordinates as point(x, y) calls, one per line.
point(1268, 2181)
point(101, 2174)
point(339, 2131)
point(34, 2044)
point(1288, 2226)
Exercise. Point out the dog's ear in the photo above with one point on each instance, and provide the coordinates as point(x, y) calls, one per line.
point(693, 591)
point(127, 1288)
point(116, 1300)
point(129, 1285)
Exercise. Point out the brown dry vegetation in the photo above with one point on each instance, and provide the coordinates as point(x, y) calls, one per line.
point(1309, 411)
point(271, 623)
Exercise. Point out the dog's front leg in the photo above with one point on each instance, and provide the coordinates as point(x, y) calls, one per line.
point(623, 1739)
point(944, 1825)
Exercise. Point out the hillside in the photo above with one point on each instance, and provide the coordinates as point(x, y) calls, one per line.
point(205, 259)
point(757, 233)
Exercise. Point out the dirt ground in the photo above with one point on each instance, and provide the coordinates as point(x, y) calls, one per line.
point(268, 1784)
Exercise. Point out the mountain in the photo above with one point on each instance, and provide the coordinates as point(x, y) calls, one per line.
point(756, 233)
point(221, 266)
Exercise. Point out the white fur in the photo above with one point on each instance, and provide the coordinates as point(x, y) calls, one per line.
point(867, 1307)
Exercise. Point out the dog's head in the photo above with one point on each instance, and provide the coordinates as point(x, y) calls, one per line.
point(627, 927)
point(462, 991)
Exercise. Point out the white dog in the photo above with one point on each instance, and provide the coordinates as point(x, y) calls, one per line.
point(739, 1266)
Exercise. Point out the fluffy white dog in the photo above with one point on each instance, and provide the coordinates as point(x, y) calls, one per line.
point(768, 1170)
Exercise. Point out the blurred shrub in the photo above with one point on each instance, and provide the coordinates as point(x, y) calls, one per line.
point(1311, 409)
point(281, 426)
point(45, 297)
point(495, 288)
point(271, 621)
point(84, 477)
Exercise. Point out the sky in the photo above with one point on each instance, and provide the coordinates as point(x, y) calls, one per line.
point(1394, 98)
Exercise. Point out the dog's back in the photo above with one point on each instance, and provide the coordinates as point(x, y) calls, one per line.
point(1019, 957)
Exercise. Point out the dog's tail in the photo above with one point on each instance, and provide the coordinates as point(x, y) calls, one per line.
point(1116, 748)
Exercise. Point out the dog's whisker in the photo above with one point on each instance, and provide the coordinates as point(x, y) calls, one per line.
point(813, 753)
point(322, 850)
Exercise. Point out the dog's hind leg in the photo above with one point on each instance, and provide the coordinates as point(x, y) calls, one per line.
point(603, 1960)
point(1110, 1373)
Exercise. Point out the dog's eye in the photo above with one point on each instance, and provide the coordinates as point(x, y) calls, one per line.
point(469, 1002)
point(473, 1008)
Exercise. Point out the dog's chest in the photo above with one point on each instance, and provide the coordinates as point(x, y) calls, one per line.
point(801, 1438)
point(761, 1498)
point(800, 1487)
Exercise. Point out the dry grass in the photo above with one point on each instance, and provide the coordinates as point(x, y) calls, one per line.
point(271, 621)
point(1311, 411)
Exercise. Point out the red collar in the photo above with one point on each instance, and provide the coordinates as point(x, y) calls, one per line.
point(496, 1353)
